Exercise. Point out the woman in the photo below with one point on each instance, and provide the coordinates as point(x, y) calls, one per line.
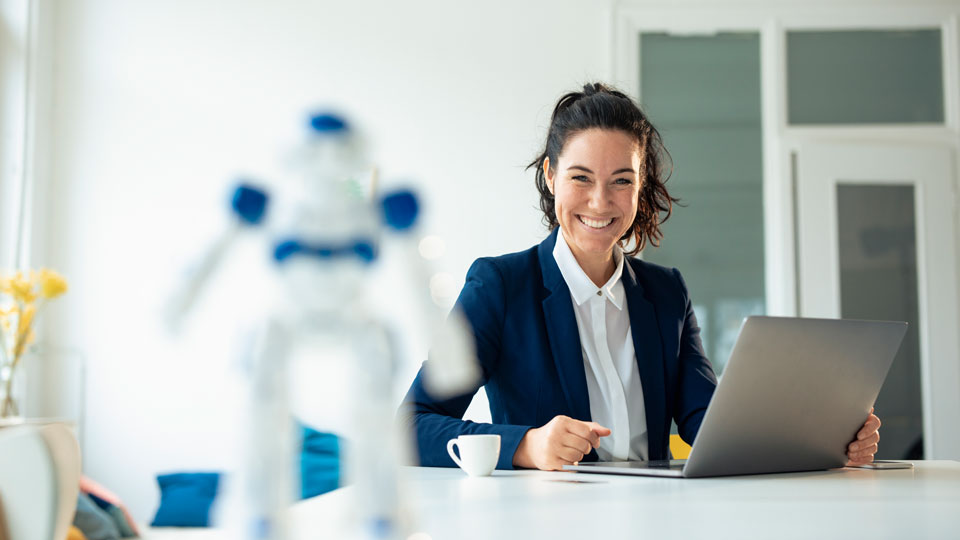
point(587, 352)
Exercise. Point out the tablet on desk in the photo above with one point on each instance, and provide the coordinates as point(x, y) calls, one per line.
point(672, 468)
point(883, 464)
point(794, 394)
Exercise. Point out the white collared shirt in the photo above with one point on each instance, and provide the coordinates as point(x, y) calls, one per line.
point(610, 363)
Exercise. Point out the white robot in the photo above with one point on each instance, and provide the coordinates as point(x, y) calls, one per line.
point(325, 234)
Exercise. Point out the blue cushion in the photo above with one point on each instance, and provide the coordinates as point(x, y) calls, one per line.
point(319, 462)
point(185, 499)
point(93, 522)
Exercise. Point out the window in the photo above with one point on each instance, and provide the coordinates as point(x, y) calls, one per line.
point(864, 77)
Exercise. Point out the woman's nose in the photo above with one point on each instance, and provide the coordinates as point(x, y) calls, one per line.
point(599, 196)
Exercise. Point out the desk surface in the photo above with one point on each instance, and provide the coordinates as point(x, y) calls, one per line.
point(844, 503)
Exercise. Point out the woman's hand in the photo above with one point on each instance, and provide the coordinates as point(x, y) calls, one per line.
point(861, 451)
point(562, 441)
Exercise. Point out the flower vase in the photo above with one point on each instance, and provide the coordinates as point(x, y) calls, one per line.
point(10, 402)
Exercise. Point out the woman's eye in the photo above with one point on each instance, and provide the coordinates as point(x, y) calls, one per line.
point(581, 178)
point(623, 181)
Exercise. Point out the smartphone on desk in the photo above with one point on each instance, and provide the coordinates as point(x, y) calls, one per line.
point(883, 464)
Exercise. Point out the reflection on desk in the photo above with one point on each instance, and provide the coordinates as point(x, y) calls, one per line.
point(923, 502)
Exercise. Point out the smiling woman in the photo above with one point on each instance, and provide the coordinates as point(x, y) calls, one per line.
point(587, 352)
point(569, 332)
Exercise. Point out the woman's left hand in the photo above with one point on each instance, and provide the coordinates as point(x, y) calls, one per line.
point(861, 450)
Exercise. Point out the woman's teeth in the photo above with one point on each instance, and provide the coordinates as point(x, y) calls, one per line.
point(595, 223)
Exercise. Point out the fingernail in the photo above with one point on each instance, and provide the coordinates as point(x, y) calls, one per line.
point(854, 446)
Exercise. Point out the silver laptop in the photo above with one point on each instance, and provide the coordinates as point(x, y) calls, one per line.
point(792, 397)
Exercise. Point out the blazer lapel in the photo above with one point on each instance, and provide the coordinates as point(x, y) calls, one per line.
point(649, 352)
point(562, 332)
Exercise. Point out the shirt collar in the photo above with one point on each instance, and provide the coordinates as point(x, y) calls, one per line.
point(581, 287)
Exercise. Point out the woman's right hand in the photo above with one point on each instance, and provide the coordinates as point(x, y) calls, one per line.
point(562, 441)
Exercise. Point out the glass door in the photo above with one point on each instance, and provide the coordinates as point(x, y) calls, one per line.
point(877, 240)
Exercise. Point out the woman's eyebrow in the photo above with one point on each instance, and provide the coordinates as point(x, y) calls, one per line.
point(618, 171)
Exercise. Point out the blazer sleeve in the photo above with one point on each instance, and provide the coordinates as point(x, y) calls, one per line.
point(435, 421)
point(697, 380)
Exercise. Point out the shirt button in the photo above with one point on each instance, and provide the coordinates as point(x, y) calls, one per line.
point(598, 293)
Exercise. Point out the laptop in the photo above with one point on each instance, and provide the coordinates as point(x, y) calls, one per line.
point(792, 397)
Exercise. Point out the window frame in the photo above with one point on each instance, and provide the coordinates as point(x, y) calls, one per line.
point(780, 140)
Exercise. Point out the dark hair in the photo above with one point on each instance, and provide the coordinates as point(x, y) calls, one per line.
point(603, 107)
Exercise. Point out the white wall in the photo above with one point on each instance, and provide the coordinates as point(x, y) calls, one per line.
point(158, 105)
point(13, 86)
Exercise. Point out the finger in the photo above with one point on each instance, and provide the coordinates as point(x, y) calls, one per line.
point(569, 455)
point(598, 429)
point(580, 445)
point(591, 431)
point(860, 444)
point(867, 453)
point(871, 451)
point(870, 426)
point(582, 430)
point(594, 439)
point(866, 432)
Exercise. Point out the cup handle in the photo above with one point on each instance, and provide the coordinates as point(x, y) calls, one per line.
point(450, 444)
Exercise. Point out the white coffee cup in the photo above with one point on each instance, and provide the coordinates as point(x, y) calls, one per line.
point(478, 453)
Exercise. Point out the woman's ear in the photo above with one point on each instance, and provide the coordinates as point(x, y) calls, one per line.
point(548, 174)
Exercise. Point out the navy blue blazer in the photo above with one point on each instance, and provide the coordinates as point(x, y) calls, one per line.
point(528, 346)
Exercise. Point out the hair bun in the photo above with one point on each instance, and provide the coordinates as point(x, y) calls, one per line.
point(590, 89)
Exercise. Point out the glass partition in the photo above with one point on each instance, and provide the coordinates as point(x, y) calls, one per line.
point(703, 94)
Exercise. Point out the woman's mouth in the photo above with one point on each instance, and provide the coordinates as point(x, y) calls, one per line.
point(596, 223)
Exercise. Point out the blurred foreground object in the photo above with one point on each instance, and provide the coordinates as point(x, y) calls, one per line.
point(39, 481)
point(326, 230)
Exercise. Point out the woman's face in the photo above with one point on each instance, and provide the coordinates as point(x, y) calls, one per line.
point(595, 184)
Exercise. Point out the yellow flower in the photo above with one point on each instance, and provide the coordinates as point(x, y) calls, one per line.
point(22, 289)
point(52, 284)
point(18, 312)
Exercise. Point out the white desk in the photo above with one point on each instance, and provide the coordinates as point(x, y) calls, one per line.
point(845, 503)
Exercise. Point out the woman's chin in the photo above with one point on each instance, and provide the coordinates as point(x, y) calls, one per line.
point(596, 246)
